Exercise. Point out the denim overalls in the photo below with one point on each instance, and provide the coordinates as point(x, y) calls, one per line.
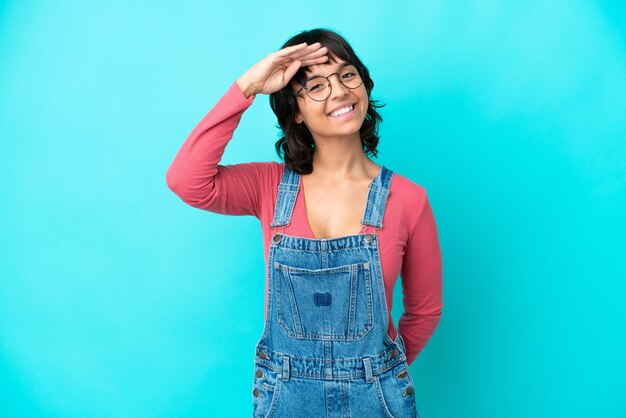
point(325, 351)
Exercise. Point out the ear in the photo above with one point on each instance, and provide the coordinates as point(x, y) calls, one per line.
point(299, 119)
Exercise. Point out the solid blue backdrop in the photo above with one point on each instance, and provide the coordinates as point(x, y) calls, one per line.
point(118, 300)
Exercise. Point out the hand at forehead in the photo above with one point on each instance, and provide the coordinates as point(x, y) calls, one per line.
point(327, 67)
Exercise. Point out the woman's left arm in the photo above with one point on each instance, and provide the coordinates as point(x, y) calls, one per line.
point(421, 283)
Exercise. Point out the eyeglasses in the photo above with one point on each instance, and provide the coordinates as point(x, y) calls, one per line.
point(318, 88)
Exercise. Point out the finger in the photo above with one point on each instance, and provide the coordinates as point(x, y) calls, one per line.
point(309, 49)
point(312, 61)
point(315, 50)
point(291, 49)
point(291, 70)
point(315, 54)
point(302, 55)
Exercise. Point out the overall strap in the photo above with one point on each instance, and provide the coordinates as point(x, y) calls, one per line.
point(374, 210)
point(377, 198)
point(286, 198)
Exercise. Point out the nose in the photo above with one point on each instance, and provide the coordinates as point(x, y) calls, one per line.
point(337, 87)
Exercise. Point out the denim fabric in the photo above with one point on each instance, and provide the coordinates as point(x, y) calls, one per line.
point(325, 351)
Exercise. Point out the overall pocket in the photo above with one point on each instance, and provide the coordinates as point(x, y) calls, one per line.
point(265, 391)
point(396, 392)
point(325, 304)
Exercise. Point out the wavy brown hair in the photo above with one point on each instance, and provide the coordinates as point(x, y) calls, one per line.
point(296, 145)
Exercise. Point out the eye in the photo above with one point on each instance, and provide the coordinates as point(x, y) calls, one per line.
point(348, 75)
point(315, 87)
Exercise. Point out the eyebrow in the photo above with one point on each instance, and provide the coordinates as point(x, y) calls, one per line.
point(344, 64)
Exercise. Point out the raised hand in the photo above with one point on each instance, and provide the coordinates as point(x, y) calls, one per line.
point(274, 72)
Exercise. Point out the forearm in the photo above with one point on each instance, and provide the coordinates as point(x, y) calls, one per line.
point(193, 175)
point(422, 283)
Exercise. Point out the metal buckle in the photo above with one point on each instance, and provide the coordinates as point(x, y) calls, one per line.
point(276, 237)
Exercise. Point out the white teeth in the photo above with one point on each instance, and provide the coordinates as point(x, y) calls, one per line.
point(342, 111)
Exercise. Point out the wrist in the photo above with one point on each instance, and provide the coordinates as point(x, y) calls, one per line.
point(246, 88)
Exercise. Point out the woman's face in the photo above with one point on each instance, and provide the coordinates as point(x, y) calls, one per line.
point(317, 115)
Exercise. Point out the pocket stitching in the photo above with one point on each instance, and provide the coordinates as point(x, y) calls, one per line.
point(369, 308)
point(381, 397)
point(274, 403)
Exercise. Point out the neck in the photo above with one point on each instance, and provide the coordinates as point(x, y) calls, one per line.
point(341, 158)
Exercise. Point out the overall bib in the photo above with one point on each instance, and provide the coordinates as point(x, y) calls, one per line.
point(325, 351)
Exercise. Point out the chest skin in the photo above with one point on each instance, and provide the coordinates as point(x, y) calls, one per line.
point(334, 210)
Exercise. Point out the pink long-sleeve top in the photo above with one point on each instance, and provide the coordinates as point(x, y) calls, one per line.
point(409, 243)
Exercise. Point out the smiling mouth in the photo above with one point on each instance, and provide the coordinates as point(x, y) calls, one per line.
point(344, 111)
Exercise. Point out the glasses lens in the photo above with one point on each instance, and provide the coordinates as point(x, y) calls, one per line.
point(318, 88)
point(350, 77)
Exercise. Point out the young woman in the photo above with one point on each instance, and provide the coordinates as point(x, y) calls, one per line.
point(338, 229)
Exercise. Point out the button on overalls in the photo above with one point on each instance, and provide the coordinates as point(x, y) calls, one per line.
point(325, 351)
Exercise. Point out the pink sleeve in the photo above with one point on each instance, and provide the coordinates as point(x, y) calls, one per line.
point(421, 284)
point(197, 178)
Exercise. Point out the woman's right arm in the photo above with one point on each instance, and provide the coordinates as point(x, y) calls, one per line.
point(195, 175)
point(197, 178)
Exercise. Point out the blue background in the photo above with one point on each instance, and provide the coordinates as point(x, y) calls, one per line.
point(118, 300)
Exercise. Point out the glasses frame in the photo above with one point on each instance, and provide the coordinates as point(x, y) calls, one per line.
point(330, 91)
